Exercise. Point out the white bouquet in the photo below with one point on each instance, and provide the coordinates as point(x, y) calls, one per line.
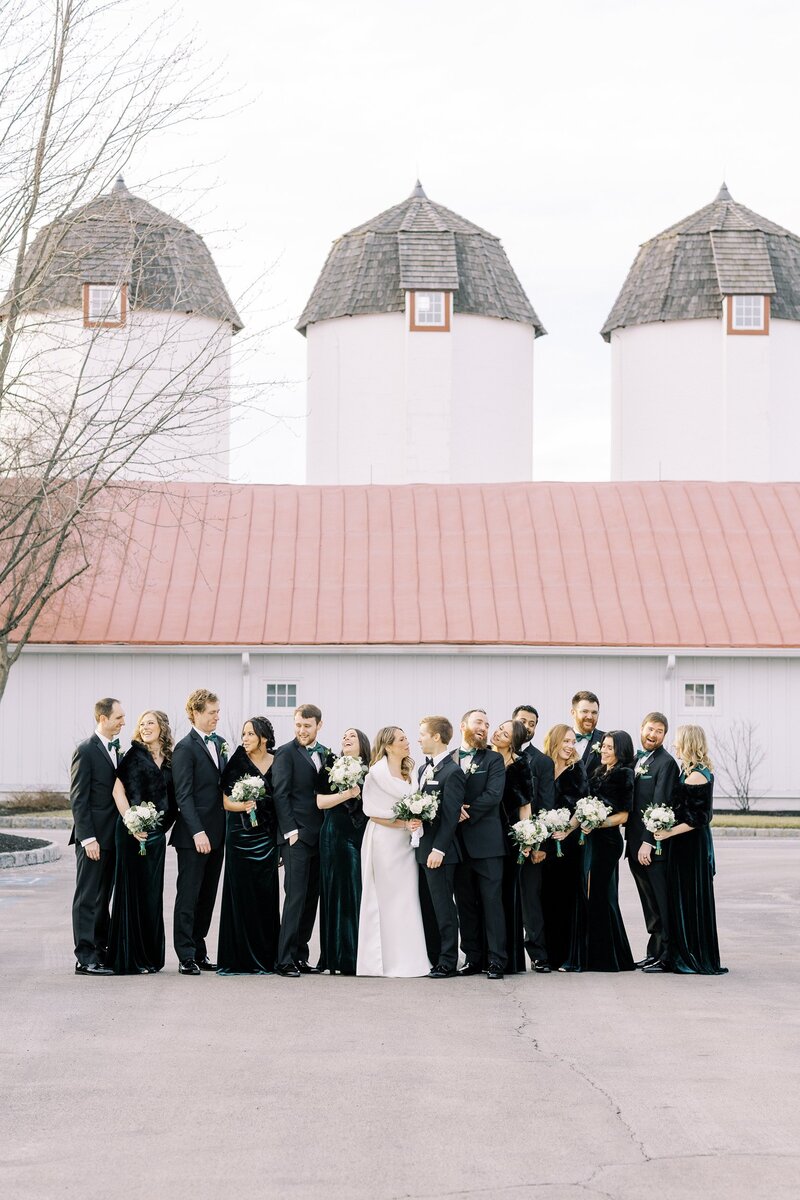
point(657, 817)
point(346, 772)
point(246, 789)
point(528, 835)
point(416, 806)
point(590, 812)
point(142, 818)
point(557, 820)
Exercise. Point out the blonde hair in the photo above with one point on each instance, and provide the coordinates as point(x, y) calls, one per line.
point(553, 741)
point(383, 740)
point(692, 748)
point(164, 732)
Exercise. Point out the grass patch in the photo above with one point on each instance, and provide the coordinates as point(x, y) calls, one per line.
point(751, 821)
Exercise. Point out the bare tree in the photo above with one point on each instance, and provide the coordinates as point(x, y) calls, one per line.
point(78, 409)
point(739, 755)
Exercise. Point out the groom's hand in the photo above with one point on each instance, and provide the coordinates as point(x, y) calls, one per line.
point(435, 859)
point(293, 838)
point(464, 813)
point(201, 843)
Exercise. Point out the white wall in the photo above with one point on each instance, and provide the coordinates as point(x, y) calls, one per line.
point(161, 368)
point(387, 405)
point(49, 700)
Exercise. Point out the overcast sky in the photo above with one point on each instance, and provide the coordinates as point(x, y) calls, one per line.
point(572, 130)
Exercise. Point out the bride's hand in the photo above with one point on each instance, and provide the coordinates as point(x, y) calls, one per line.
point(413, 826)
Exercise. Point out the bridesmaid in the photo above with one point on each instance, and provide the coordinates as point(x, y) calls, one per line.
point(560, 875)
point(598, 941)
point(690, 869)
point(340, 865)
point(508, 740)
point(249, 920)
point(136, 936)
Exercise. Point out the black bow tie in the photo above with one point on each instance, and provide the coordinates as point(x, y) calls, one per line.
point(428, 760)
point(114, 745)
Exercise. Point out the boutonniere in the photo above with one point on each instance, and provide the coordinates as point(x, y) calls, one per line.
point(641, 768)
point(472, 768)
point(427, 774)
point(596, 748)
point(223, 749)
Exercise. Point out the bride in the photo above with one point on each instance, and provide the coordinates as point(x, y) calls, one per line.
point(391, 940)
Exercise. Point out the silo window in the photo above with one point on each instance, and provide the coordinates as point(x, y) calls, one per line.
point(104, 305)
point(429, 311)
point(748, 314)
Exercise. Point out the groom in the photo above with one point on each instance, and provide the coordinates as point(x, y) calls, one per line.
point(295, 769)
point(482, 848)
point(437, 853)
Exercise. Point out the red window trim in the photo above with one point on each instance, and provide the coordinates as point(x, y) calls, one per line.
point(415, 328)
point(748, 332)
point(88, 323)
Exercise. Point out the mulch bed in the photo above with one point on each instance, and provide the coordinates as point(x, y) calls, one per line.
point(9, 841)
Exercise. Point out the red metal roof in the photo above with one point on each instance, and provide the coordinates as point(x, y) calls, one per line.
point(536, 564)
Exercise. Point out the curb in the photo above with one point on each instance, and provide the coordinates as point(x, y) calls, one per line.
point(32, 821)
point(30, 858)
point(744, 831)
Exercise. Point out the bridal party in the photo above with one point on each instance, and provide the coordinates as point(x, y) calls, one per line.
point(454, 849)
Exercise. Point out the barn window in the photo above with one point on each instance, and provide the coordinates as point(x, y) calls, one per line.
point(700, 695)
point(748, 314)
point(429, 312)
point(105, 305)
point(281, 696)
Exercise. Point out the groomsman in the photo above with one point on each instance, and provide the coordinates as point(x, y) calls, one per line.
point(482, 848)
point(585, 713)
point(541, 765)
point(655, 777)
point(198, 761)
point(294, 787)
point(94, 771)
point(438, 853)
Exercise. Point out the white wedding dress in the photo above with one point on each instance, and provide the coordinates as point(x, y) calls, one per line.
point(391, 940)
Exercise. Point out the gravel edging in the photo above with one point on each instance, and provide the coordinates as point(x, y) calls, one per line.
point(31, 858)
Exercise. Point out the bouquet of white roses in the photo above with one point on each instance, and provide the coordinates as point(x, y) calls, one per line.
point(346, 772)
point(528, 835)
point(416, 806)
point(590, 812)
point(557, 820)
point(657, 817)
point(142, 818)
point(245, 789)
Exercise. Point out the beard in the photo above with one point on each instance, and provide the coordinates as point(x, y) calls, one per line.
point(476, 740)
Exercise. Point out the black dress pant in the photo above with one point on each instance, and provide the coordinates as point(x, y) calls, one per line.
point(301, 897)
point(530, 886)
point(441, 884)
point(90, 904)
point(198, 878)
point(479, 898)
point(651, 884)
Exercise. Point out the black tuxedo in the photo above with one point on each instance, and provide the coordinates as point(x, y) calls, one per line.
point(198, 796)
point(654, 786)
point(295, 784)
point(543, 775)
point(482, 847)
point(95, 814)
point(589, 757)
point(438, 883)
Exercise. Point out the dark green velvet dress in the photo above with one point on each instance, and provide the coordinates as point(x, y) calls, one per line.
point(690, 882)
point(136, 935)
point(340, 885)
point(598, 941)
point(561, 876)
point(250, 916)
point(517, 793)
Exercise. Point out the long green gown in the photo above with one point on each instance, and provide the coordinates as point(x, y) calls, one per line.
point(690, 882)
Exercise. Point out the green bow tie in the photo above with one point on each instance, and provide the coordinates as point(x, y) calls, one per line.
point(114, 745)
point(465, 753)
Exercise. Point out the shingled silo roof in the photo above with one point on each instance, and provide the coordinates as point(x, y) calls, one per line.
point(119, 238)
point(418, 244)
point(723, 249)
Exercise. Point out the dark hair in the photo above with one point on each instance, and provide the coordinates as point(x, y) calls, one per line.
point(309, 711)
point(519, 735)
point(656, 718)
point(590, 696)
point(103, 708)
point(262, 728)
point(364, 749)
point(439, 725)
point(525, 708)
point(469, 713)
point(623, 747)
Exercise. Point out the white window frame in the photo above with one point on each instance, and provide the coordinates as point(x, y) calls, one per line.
point(748, 314)
point(700, 709)
point(280, 710)
point(422, 296)
point(105, 305)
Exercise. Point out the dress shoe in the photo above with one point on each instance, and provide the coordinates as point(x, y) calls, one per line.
point(92, 969)
point(205, 964)
point(288, 971)
point(440, 972)
point(495, 971)
point(471, 969)
point(188, 967)
point(305, 968)
point(541, 966)
point(645, 962)
point(656, 968)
